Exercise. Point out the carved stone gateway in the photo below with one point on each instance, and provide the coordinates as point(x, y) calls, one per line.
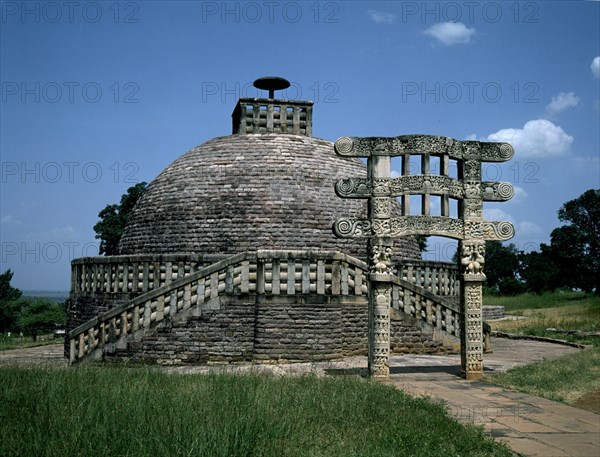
point(467, 190)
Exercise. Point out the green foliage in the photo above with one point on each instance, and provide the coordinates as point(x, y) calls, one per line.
point(422, 242)
point(109, 411)
point(572, 260)
point(501, 262)
point(539, 271)
point(113, 219)
point(8, 294)
point(511, 287)
point(576, 245)
point(30, 316)
point(39, 315)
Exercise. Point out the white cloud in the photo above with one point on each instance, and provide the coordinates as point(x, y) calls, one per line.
point(520, 195)
point(596, 67)
point(537, 138)
point(562, 102)
point(9, 220)
point(495, 214)
point(529, 228)
point(449, 33)
point(471, 137)
point(381, 17)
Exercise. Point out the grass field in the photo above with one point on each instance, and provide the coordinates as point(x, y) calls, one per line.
point(16, 342)
point(558, 310)
point(573, 379)
point(124, 411)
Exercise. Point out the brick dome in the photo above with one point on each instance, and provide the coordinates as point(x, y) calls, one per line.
point(246, 192)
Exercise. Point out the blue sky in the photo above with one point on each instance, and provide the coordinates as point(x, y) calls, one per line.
point(97, 96)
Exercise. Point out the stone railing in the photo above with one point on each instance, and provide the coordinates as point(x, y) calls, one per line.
point(133, 274)
point(439, 278)
point(439, 312)
point(261, 272)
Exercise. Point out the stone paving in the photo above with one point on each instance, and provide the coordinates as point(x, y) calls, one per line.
point(529, 425)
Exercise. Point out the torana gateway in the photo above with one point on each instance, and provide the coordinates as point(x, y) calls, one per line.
point(230, 255)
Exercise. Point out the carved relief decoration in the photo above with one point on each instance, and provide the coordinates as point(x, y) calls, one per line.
point(353, 188)
point(426, 184)
point(352, 228)
point(472, 170)
point(473, 209)
point(380, 207)
point(498, 231)
point(381, 259)
point(381, 187)
point(427, 144)
point(472, 189)
point(472, 258)
point(497, 191)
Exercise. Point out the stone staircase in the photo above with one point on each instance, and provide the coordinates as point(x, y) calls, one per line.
point(425, 291)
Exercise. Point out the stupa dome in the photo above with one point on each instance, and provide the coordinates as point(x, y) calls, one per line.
point(270, 185)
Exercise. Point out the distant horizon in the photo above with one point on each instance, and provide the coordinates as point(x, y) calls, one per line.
point(38, 293)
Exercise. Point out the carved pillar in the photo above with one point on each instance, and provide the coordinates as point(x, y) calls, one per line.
point(471, 334)
point(380, 267)
point(472, 258)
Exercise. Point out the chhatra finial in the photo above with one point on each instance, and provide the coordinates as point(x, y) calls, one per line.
point(271, 83)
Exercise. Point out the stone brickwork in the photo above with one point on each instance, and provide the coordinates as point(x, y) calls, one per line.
point(265, 306)
point(243, 330)
point(247, 192)
point(493, 312)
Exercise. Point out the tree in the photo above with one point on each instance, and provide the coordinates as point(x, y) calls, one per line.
point(501, 262)
point(538, 270)
point(8, 295)
point(113, 219)
point(422, 242)
point(567, 245)
point(39, 315)
point(579, 240)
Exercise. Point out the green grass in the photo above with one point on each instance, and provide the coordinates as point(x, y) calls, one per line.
point(559, 310)
point(16, 342)
point(565, 379)
point(529, 301)
point(124, 411)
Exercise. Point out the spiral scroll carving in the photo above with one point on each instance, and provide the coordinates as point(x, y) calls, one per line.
point(344, 186)
point(352, 228)
point(506, 151)
point(506, 190)
point(344, 145)
point(498, 230)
